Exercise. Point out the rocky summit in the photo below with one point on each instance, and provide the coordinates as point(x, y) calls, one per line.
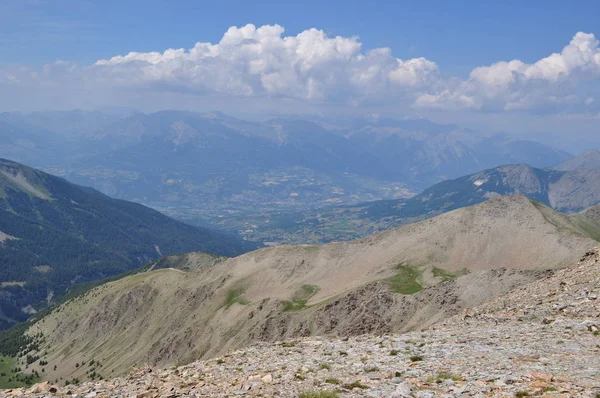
point(541, 339)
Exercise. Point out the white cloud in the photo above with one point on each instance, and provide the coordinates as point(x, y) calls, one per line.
point(316, 69)
point(261, 61)
point(516, 85)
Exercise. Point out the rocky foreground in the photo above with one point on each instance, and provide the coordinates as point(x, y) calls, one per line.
point(542, 339)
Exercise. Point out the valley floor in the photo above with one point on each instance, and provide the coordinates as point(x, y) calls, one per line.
point(542, 339)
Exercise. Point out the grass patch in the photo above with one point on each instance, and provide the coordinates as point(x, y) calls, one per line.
point(324, 366)
point(332, 381)
point(405, 281)
point(8, 379)
point(300, 298)
point(447, 275)
point(295, 305)
point(319, 394)
point(438, 378)
point(234, 296)
point(356, 384)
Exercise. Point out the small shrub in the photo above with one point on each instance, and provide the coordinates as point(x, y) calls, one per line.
point(324, 366)
point(416, 358)
point(343, 353)
point(356, 384)
point(394, 353)
point(332, 381)
point(319, 394)
point(521, 394)
point(443, 376)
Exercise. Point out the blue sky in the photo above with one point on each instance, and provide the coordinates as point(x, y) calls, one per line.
point(455, 34)
point(443, 59)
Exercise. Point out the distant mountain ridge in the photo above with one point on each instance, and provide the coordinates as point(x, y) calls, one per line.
point(565, 191)
point(197, 166)
point(587, 160)
point(54, 233)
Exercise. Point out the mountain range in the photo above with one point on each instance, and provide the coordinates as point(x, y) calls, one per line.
point(54, 233)
point(203, 166)
point(196, 306)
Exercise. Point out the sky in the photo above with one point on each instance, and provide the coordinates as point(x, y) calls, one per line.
point(518, 66)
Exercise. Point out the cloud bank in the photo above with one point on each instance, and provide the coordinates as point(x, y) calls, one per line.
point(251, 62)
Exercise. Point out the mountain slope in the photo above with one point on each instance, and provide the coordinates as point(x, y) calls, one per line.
point(566, 191)
point(54, 233)
point(538, 340)
point(398, 280)
point(587, 160)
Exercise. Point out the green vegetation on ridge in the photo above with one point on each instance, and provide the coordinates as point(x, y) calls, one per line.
point(406, 280)
point(300, 298)
point(234, 296)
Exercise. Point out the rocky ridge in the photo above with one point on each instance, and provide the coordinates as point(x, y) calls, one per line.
point(397, 281)
point(541, 339)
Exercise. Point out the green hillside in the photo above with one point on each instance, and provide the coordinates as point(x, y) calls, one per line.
point(54, 234)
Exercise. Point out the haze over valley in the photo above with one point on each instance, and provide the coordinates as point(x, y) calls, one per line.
point(207, 168)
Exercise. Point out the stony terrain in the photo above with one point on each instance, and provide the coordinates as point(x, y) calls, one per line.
point(396, 281)
point(542, 339)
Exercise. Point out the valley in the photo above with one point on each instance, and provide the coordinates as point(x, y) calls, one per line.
point(565, 191)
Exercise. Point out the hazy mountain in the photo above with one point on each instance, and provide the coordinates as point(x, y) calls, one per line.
point(587, 160)
point(69, 124)
point(397, 280)
point(426, 153)
point(197, 166)
point(54, 233)
point(29, 143)
point(566, 191)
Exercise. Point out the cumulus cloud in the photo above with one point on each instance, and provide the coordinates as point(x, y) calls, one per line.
point(315, 68)
point(262, 61)
point(516, 85)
